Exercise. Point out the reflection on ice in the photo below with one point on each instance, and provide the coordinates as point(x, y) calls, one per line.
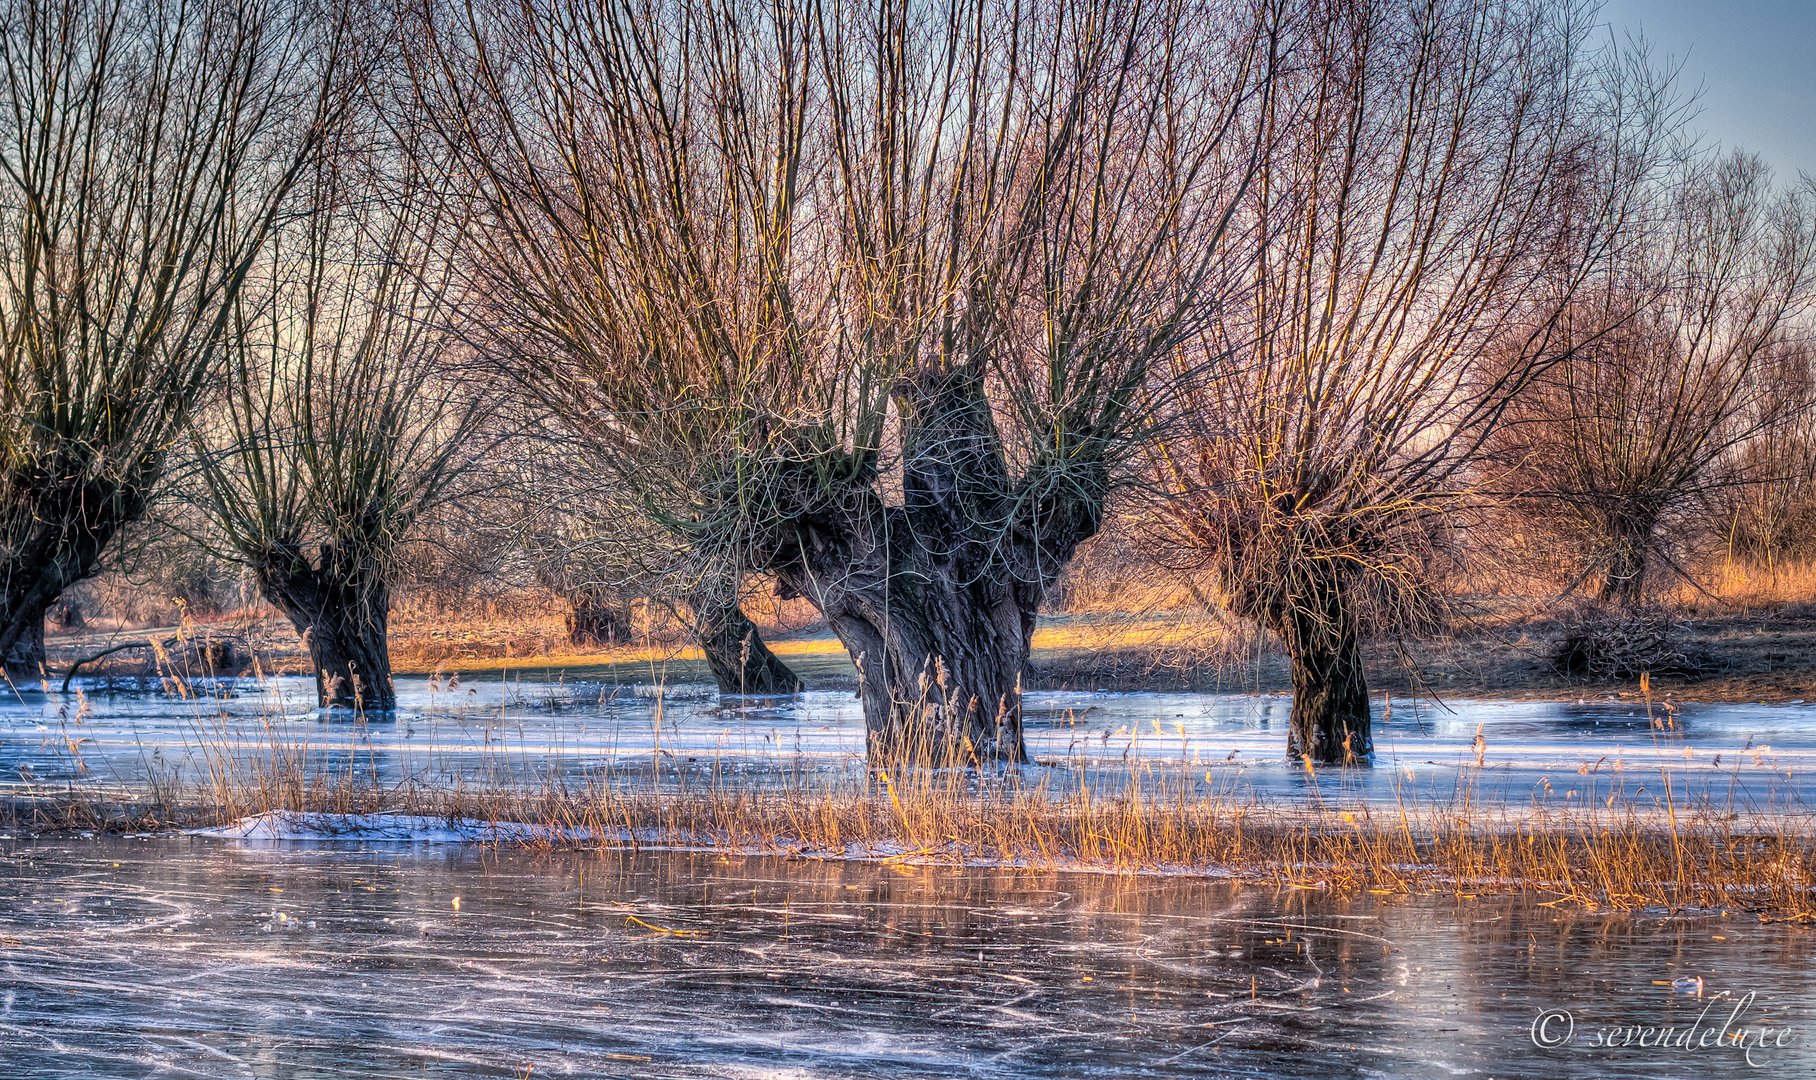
point(187, 956)
point(390, 828)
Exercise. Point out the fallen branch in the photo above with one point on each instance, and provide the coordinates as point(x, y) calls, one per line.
point(146, 644)
point(203, 648)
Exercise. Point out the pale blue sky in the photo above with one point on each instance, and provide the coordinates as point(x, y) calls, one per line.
point(1756, 63)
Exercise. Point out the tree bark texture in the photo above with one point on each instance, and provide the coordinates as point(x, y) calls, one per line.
point(341, 606)
point(936, 597)
point(1629, 549)
point(741, 663)
point(1331, 723)
point(62, 531)
point(24, 632)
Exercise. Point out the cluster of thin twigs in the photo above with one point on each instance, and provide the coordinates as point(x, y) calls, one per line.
point(1613, 646)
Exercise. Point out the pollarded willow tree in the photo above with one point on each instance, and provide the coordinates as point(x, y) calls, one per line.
point(146, 148)
point(1638, 430)
point(345, 417)
point(1447, 174)
point(860, 294)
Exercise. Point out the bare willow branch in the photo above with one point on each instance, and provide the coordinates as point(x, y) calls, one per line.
point(146, 151)
point(346, 418)
point(861, 295)
point(1446, 178)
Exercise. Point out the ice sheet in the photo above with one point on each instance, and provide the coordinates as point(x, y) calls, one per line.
point(189, 956)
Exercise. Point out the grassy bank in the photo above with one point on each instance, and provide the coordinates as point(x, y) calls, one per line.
point(1592, 854)
point(1603, 855)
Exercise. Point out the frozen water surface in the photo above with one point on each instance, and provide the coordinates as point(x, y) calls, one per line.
point(214, 956)
point(186, 956)
point(1748, 757)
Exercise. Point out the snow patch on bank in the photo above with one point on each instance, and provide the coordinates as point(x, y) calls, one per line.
point(392, 828)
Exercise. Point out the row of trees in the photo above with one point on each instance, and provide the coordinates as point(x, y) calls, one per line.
point(885, 302)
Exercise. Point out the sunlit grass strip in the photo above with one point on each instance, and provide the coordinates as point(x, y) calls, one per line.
point(1604, 855)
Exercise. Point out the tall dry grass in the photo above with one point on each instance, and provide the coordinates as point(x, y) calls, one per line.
point(1086, 814)
point(1749, 585)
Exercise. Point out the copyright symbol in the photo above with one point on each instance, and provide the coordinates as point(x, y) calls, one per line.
point(1552, 1028)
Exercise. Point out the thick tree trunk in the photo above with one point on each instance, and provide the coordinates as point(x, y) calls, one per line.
point(70, 528)
point(936, 598)
point(741, 663)
point(342, 613)
point(598, 618)
point(939, 673)
point(1630, 546)
point(22, 628)
point(1330, 724)
point(352, 661)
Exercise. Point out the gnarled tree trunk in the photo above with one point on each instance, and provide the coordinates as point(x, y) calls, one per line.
point(936, 598)
point(741, 663)
point(65, 531)
point(939, 667)
point(342, 610)
point(22, 631)
point(1629, 549)
point(1331, 724)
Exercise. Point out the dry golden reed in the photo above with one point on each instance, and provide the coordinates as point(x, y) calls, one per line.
point(1154, 819)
